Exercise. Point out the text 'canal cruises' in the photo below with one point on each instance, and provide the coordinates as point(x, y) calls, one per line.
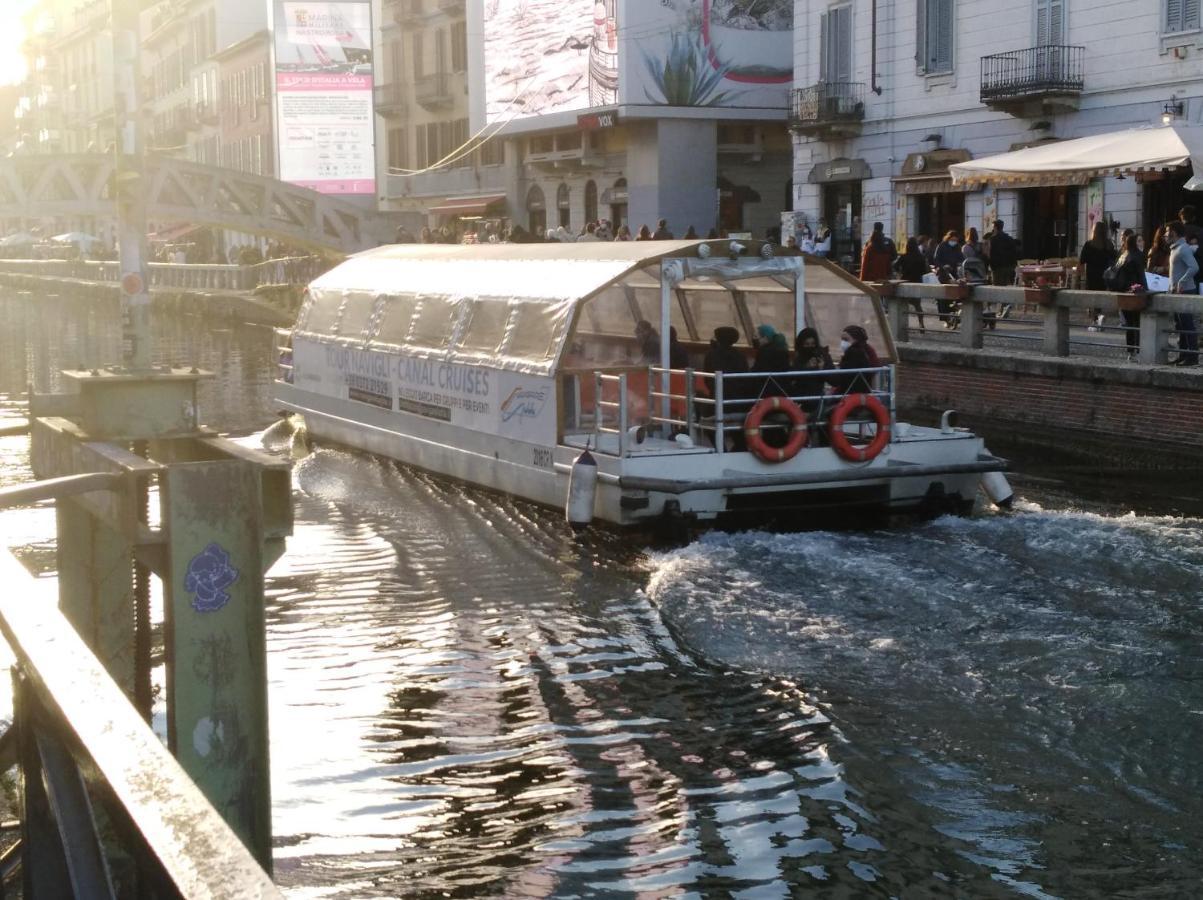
point(628, 381)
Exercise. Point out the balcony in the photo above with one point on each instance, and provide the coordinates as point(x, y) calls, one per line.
point(829, 109)
point(433, 91)
point(453, 7)
point(390, 100)
point(1034, 81)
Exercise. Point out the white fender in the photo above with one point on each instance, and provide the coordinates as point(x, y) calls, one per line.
point(582, 491)
point(300, 445)
point(998, 489)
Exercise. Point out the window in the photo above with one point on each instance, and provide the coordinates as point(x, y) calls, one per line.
point(835, 45)
point(459, 47)
point(590, 202)
point(1181, 15)
point(934, 34)
point(396, 149)
point(562, 203)
point(492, 152)
point(1050, 23)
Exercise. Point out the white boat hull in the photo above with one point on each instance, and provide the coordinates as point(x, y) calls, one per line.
point(660, 478)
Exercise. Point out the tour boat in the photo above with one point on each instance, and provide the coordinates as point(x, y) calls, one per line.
point(525, 368)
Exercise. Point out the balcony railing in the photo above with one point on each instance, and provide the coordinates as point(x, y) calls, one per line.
point(1034, 73)
point(433, 90)
point(390, 99)
point(827, 106)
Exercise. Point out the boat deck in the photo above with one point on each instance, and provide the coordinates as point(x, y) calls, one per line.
point(607, 443)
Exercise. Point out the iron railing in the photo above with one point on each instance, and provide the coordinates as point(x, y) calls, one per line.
point(827, 103)
point(390, 99)
point(433, 90)
point(1036, 71)
point(188, 276)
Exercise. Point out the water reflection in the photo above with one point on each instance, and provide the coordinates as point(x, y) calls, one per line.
point(465, 702)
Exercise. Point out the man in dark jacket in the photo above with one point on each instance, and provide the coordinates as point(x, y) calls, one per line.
point(1003, 254)
point(724, 357)
point(1191, 228)
point(662, 232)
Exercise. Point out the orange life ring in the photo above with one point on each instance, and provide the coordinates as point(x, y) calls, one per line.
point(798, 434)
point(839, 441)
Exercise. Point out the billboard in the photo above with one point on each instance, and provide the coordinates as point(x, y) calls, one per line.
point(325, 127)
point(543, 57)
point(721, 53)
point(548, 56)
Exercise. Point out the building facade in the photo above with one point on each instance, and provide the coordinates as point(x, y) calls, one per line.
point(421, 100)
point(884, 104)
point(243, 109)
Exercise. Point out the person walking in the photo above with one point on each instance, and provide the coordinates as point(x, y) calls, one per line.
point(878, 255)
point(645, 233)
point(1002, 255)
point(1183, 269)
point(912, 266)
point(1192, 230)
point(662, 232)
point(1097, 256)
point(947, 260)
point(1157, 262)
point(1129, 272)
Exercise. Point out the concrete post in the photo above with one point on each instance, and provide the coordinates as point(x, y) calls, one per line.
point(1056, 331)
point(1155, 337)
point(971, 324)
point(898, 309)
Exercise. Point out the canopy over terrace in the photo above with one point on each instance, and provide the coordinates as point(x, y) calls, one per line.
point(519, 306)
point(1153, 149)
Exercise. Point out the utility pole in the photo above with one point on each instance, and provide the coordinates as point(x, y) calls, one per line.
point(128, 188)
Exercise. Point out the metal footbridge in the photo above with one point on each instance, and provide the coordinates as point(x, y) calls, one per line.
point(179, 190)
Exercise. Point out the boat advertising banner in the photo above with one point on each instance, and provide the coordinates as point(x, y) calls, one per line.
point(325, 122)
point(731, 53)
point(543, 57)
point(480, 398)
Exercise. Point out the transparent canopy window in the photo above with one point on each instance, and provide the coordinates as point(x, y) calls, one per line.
point(356, 318)
point(397, 319)
point(435, 322)
point(322, 314)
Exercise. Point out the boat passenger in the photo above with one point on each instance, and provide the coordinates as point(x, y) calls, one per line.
point(649, 343)
point(809, 356)
point(772, 353)
point(724, 357)
point(858, 354)
point(678, 356)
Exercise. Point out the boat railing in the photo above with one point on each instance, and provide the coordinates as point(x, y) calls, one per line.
point(627, 403)
point(282, 354)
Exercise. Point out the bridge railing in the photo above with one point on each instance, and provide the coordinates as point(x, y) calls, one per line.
point(185, 276)
point(107, 811)
point(1042, 321)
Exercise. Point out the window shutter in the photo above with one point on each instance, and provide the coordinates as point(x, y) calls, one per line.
point(921, 35)
point(824, 29)
point(1190, 15)
point(843, 68)
point(944, 26)
point(1173, 16)
point(1042, 23)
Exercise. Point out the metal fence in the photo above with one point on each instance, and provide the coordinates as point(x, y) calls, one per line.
point(1047, 69)
point(827, 102)
point(185, 276)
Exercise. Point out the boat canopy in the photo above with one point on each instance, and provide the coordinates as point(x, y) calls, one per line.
point(517, 306)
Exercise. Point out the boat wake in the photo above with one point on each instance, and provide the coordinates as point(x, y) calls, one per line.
point(1028, 679)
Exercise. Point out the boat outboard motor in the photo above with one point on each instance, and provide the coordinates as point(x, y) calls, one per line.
point(998, 489)
point(582, 490)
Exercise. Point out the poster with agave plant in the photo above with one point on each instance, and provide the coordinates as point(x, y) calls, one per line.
point(707, 52)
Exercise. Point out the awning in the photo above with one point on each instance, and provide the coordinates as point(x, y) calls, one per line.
point(839, 170)
point(1127, 152)
point(928, 186)
point(927, 173)
point(467, 206)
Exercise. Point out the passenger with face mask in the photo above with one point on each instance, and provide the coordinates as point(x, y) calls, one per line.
point(858, 353)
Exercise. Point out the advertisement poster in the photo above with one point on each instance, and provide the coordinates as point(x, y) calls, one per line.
point(707, 53)
point(1094, 205)
point(549, 56)
point(324, 113)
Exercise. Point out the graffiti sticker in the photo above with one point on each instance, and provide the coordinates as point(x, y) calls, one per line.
point(208, 578)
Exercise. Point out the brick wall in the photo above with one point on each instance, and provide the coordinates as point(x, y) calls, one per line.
point(1101, 399)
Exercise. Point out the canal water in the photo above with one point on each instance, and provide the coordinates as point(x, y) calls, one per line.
point(467, 703)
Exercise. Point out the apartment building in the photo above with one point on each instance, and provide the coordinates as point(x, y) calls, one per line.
point(243, 108)
point(67, 102)
point(633, 111)
point(180, 40)
point(421, 100)
point(888, 95)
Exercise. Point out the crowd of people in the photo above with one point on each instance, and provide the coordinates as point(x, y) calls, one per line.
point(599, 230)
point(1104, 267)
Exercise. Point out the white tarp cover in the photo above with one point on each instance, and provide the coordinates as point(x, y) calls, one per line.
point(1115, 153)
